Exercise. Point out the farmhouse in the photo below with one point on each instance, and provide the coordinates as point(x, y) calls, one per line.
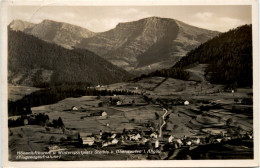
point(153, 135)
point(188, 143)
point(195, 141)
point(170, 138)
point(86, 138)
point(88, 141)
point(186, 102)
point(155, 143)
point(113, 136)
point(218, 140)
point(99, 113)
point(74, 108)
point(179, 142)
point(134, 137)
point(114, 141)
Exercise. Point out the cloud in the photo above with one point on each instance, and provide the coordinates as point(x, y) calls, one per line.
point(203, 16)
point(130, 11)
point(57, 16)
point(211, 21)
point(99, 25)
point(231, 21)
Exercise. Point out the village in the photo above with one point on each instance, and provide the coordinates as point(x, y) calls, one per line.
point(144, 123)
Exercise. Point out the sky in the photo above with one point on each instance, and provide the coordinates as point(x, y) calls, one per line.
point(103, 18)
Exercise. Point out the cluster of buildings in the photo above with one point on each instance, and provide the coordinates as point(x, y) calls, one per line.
point(148, 138)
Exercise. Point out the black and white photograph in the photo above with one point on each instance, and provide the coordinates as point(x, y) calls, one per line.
point(120, 82)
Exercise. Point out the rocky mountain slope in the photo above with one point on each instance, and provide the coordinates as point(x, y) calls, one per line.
point(147, 44)
point(63, 34)
point(34, 62)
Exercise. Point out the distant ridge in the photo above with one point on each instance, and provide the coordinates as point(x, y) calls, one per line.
point(63, 34)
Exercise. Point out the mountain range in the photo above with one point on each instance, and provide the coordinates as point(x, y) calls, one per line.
point(140, 46)
point(147, 44)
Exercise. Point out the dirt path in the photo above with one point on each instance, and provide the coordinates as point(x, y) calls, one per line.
point(166, 111)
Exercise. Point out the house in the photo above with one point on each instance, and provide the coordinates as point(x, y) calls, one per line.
point(88, 141)
point(113, 136)
point(99, 113)
point(118, 103)
point(195, 141)
point(153, 135)
point(106, 144)
point(176, 145)
point(218, 140)
point(114, 141)
point(170, 139)
point(55, 148)
point(186, 102)
point(188, 143)
point(86, 138)
point(74, 108)
point(134, 137)
point(156, 143)
point(103, 113)
point(179, 142)
point(227, 138)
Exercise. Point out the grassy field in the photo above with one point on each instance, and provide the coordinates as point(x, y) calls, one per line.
point(18, 92)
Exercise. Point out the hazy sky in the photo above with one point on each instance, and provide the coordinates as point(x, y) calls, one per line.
point(101, 18)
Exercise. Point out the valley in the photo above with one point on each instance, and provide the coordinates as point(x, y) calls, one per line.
point(204, 117)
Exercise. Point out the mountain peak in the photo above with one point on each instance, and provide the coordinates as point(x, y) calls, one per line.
point(20, 25)
point(147, 19)
point(61, 33)
point(153, 18)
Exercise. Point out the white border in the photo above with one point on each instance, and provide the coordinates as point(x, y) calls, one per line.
point(160, 163)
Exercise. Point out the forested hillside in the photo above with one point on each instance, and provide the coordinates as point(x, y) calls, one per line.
point(34, 62)
point(229, 56)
